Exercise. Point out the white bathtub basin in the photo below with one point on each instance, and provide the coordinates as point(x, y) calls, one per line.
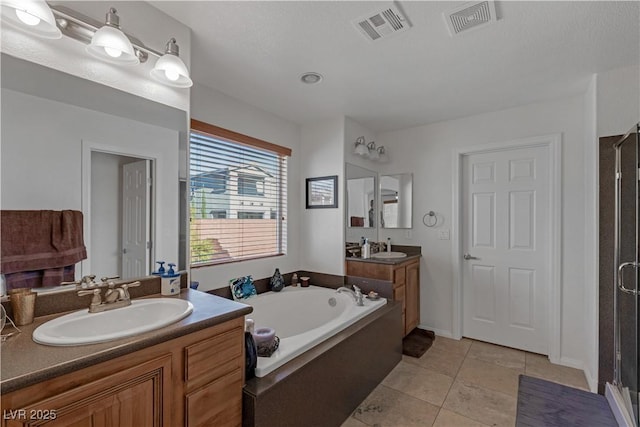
point(389, 255)
point(82, 327)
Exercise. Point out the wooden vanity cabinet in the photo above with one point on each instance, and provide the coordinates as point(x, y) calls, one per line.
point(406, 284)
point(193, 380)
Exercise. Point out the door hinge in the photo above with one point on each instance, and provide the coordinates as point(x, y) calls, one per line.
point(618, 175)
point(149, 245)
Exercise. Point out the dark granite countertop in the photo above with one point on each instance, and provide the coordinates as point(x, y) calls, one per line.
point(25, 362)
point(392, 261)
point(412, 252)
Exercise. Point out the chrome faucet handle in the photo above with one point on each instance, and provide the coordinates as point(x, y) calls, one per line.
point(75, 282)
point(105, 280)
point(96, 299)
point(359, 296)
point(126, 286)
point(88, 281)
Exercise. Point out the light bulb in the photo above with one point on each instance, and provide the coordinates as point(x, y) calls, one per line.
point(172, 75)
point(27, 18)
point(113, 52)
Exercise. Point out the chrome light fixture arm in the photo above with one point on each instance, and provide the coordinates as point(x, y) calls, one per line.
point(82, 28)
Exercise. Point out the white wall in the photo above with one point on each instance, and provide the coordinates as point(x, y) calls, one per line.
point(42, 160)
point(322, 230)
point(216, 108)
point(427, 151)
point(591, 226)
point(618, 94)
point(141, 20)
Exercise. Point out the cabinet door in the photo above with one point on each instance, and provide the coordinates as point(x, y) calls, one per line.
point(399, 295)
point(133, 397)
point(412, 300)
point(218, 404)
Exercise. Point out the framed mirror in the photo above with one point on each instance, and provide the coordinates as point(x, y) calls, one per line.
point(396, 200)
point(361, 196)
point(67, 143)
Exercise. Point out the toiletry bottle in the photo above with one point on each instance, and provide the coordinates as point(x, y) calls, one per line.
point(170, 282)
point(294, 279)
point(388, 244)
point(161, 269)
point(366, 249)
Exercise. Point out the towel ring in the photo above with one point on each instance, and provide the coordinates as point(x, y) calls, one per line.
point(430, 219)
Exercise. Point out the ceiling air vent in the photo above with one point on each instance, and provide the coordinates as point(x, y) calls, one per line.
point(470, 15)
point(384, 23)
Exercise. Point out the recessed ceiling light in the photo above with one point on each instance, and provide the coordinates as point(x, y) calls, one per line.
point(311, 78)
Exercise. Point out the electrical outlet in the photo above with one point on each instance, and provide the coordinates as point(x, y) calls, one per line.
point(444, 235)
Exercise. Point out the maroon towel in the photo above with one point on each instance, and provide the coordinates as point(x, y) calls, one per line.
point(40, 240)
point(40, 278)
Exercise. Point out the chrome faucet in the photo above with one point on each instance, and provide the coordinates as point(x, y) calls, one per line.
point(87, 281)
point(113, 297)
point(356, 293)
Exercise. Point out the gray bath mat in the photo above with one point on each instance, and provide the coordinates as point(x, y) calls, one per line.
point(543, 403)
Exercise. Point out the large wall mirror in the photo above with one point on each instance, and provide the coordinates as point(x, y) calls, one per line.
point(69, 143)
point(361, 219)
point(396, 197)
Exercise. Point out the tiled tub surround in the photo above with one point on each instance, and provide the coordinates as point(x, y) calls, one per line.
point(25, 363)
point(304, 317)
point(322, 386)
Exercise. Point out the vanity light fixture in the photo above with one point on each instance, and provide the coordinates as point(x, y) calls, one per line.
point(170, 69)
point(110, 44)
point(382, 154)
point(373, 152)
point(32, 16)
point(105, 41)
point(361, 147)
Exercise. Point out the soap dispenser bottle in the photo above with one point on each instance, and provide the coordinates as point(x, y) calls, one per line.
point(170, 282)
point(366, 249)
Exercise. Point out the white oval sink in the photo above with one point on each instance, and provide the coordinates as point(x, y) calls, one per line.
point(389, 255)
point(82, 327)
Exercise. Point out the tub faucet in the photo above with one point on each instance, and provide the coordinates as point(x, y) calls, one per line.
point(356, 294)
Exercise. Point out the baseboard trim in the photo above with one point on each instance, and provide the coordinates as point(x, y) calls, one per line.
point(591, 380)
point(438, 332)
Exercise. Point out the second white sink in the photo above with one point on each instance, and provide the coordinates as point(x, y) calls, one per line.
point(82, 327)
point(389, 255)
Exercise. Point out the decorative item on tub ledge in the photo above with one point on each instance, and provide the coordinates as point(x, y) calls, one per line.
point(277, 281)
point(242, 288)
point(322, 192)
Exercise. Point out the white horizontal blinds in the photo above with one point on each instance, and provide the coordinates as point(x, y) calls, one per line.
point(237, 198)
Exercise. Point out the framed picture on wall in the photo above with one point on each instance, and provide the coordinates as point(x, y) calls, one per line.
point(322, 192)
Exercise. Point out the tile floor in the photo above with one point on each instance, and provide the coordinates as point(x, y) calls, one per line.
point(462, 383)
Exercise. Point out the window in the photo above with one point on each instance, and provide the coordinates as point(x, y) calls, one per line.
point(238, 196)
point(250, 185)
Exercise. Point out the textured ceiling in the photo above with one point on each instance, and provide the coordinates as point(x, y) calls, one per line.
point(256, 51)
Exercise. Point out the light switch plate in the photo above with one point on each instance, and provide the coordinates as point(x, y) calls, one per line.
point(444, 235)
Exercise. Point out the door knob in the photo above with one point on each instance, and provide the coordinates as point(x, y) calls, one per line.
point(468, 257)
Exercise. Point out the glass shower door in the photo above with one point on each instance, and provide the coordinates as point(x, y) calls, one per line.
point(627, 271)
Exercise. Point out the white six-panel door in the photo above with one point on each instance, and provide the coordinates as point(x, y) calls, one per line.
point(136, 200)
point(505, 243)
